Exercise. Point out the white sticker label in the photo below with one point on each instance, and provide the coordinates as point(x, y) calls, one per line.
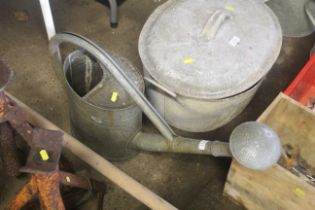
point(234, 41)
point(202, 145)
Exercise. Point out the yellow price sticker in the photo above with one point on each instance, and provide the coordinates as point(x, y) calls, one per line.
point(44, 155)
point(68, 179)
point(114, 97)
point(229, 8)
point(188, 60)
point(300, 192)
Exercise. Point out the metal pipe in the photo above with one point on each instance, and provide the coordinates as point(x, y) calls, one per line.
point(157, 143)
point(48, 18)
point(113, 13)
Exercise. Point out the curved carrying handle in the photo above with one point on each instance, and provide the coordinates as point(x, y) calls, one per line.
point(106, 60)
point(213, 24)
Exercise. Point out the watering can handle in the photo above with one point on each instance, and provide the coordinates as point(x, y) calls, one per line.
point(106, 60)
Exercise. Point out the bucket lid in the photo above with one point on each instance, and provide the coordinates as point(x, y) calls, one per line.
point(210, 49)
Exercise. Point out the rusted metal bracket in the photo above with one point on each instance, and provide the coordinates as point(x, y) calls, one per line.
point(46, 147)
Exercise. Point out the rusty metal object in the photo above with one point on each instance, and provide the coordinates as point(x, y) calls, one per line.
point(70, 197)
point(49, 191)
point(47, 186)
point(43, 158)
point(72, 180)
point(25, 194)
point(8, 151)
point(47, 141)
point(43, 163)
point(292, 161)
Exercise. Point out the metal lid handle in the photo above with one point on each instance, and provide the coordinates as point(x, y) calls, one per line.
point(213, 24)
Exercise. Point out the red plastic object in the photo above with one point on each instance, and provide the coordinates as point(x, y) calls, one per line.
point(302, 88)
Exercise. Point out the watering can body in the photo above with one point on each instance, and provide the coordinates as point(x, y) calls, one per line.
point(102, 115)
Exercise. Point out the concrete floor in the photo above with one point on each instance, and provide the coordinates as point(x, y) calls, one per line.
point(189, 182)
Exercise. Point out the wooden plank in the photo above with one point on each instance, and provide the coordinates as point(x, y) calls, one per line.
point(277, 188)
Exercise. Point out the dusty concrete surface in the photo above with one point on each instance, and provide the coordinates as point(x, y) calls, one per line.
point(189, 182)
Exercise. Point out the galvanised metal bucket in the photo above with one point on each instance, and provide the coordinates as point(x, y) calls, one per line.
point(204, 60)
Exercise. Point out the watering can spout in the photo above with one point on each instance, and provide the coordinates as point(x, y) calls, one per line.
point(254, 145)
point(157, 143)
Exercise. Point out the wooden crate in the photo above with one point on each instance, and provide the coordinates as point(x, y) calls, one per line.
point(277, 188)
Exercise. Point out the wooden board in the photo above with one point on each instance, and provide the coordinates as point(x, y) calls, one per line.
point(277, 188)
